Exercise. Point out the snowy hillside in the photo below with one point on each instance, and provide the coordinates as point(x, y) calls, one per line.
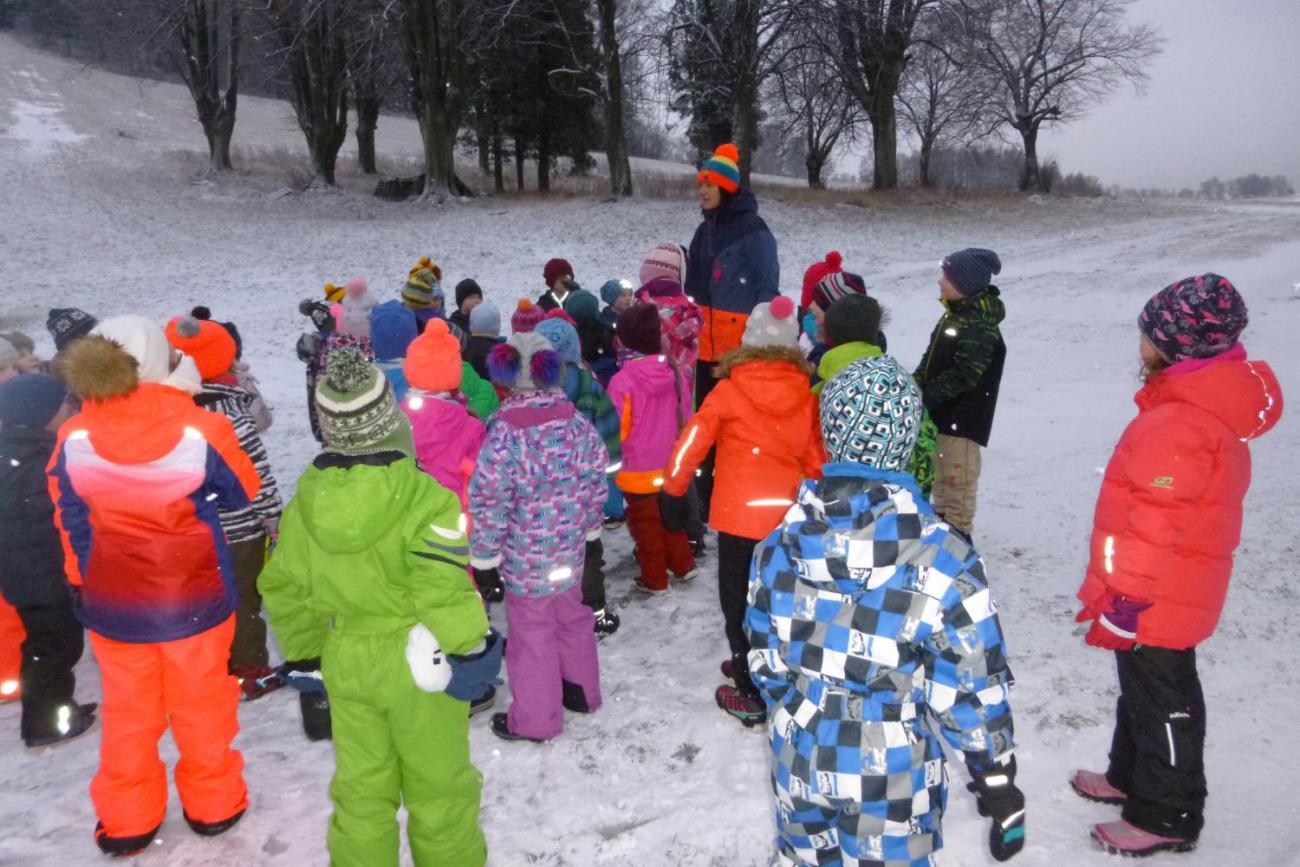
point(95, 212)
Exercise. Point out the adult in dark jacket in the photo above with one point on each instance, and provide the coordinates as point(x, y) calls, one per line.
point(32, 407)
point(731, 268)
point(959, 376)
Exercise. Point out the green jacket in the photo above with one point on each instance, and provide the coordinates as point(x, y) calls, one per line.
point(370, 536)
point(839, 357)
point(480, 394)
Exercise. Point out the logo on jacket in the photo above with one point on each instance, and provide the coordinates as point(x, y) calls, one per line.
point(1163, 482)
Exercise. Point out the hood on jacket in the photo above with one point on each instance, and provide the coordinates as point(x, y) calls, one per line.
point(987, 303)
point(773, 378)
point(1245, 395)
point(660, 287)
point(349, 502)
point(654, 375)
point(735, 207)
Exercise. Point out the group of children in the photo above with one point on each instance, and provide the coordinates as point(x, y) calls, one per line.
point(461, 467)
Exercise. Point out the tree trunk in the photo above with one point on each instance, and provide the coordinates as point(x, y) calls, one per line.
point(1029, 174)
point(884, 139)
point(209, 37)
point(498, 176)
point(484, 142)
point(616, 155)
point(220, 132)
point(745, 126)
point(923, 165)
point(519, 163)
point(745, 90)
point(430, 41)
point(367, 123)
point(544, 160)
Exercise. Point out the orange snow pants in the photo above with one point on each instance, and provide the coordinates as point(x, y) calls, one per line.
point(146, 687)
point(11, 651)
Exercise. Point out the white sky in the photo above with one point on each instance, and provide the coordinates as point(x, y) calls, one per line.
point(1223, 98)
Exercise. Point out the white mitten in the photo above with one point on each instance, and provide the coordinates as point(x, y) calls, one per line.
point(431, 670)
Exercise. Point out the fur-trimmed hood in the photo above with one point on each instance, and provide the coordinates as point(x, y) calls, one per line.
point(775, 379)
point(746, 354)
point(122, 352)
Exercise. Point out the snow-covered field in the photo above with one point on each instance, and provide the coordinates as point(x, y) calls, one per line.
point(95, 212)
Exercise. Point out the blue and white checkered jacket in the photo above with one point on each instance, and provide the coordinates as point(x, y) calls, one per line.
point(866, 614)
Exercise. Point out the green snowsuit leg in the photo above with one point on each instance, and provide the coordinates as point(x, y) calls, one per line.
point(394, 743)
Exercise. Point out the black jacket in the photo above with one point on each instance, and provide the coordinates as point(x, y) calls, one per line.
point(476, 353)
point(31, 553)
point(961, 372)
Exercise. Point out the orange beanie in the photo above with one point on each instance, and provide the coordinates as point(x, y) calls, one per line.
point(207, 342)
point(433, 360)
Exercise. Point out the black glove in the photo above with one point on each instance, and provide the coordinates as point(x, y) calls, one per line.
point(997, 797)
point(309, 346)
point(303, 675)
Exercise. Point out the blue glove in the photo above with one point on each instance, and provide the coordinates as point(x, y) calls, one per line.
point(474, 673)
point(303, 675)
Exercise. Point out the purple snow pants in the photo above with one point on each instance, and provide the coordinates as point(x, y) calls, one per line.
point(551, 639)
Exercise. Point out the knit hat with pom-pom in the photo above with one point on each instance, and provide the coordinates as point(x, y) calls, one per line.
point(722, 169)
point(526, 316)
point(433, 361)
point(356, 307)
point(358, 413)
point(832, 264)
point(772, 324)
point(205, 341)
point(525, 362)
point(835, 286)
point(423, 284)
point(334, 292)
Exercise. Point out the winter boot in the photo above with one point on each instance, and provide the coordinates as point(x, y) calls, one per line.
point(122, 847)
point(613, 523)
point(79, 720)
point(607, 622)
point(212, 829)
point(315, 715)
point(501, 728)
point(746, 707)
point(1121, 838)
point(484, 701)
point(1095, 787)
point(574, 697)
point(687, 577)
point(647, 589)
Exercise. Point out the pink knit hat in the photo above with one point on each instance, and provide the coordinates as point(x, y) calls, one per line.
point(526, 316)
point(665, 260)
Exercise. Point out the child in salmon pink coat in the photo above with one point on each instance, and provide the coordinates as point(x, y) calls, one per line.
point(650, 395)
point(1168, 521)
point(764, 422)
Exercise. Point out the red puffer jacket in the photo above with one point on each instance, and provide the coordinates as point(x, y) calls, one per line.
point(1169, 515)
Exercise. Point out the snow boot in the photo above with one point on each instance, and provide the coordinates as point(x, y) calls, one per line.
point(574, 697)
point(80, 720)
point(746, 707)
point(315, 715)
point(688, 577)
point(123, 847)
point(645, 588)
point(1095, 787)
point(212, 829)
point(484, 701)
point(1121, 838)
point(607, 622)
point(501, 728)
point(613, 523)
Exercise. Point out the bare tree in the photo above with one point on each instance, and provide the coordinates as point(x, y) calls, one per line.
point(204, 38)
point(813, 104)
point(874, 37)
point(374, 68)
point(431, 43)
point(1054, 59)
point(314, 37)
point(616, 153)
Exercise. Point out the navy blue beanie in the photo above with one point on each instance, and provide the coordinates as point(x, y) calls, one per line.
point(971, 270)
point(31, 400)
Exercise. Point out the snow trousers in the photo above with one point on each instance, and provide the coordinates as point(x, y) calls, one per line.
point(183, 683)
point(614, 507)
point(54, 644)
point(11, 651)
point(593, 576)
point(551, 642)
point(657, 550)
point(706, 379)
point(735, 558)
point(395, 745)
point(249, 646)
point(957, 463)
point(1157, 752)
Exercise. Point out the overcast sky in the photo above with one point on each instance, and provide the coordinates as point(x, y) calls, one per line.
point(1223, 98)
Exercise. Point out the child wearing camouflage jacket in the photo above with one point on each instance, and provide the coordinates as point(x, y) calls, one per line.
point(369, 578)
point(959, 376)
point(536, 499)
point(867, 615)
point(590, 399)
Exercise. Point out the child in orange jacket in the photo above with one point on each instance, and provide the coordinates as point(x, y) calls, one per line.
point(764, 422)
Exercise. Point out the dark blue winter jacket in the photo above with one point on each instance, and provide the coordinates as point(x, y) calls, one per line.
point(731, 268)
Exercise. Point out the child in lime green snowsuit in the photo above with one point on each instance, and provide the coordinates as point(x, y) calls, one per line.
point(370, 547)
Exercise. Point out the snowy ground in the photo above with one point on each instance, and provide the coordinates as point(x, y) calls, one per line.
point(95, 213)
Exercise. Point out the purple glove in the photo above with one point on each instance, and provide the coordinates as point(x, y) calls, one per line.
point(1116, 628)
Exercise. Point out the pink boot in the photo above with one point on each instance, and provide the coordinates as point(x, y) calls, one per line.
point(1121, 838)
point(1095, 787)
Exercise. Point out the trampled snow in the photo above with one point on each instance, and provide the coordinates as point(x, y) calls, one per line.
point(106, 222)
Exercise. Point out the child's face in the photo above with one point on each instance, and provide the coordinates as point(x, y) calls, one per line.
point(28, 362)
point(470, 303)
point(710, 196)
point(947, 291)
point(622, 302)
point(436, 304)
point(561, 284)
point(1147, 350)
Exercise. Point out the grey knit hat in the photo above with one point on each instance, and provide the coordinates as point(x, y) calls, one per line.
point(358, 412)
point(971, 270)
point(871, 414)
point(772, 324)
point(485, 320)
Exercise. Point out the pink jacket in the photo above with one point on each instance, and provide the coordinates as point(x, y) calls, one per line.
point(649, 403)
point(447, 439)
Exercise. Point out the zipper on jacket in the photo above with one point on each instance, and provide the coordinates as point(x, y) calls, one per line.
point(929, 356)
